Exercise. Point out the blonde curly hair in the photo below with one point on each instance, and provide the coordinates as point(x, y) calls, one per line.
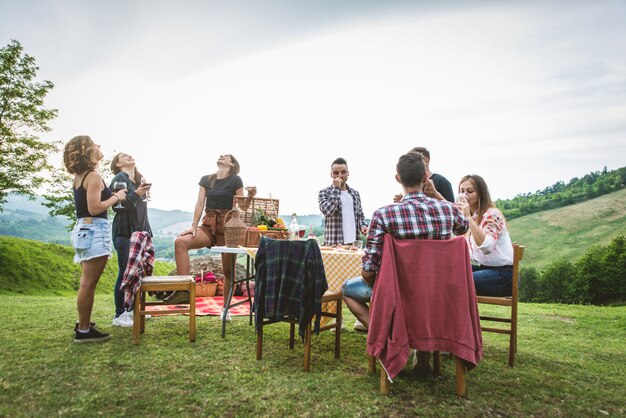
point(81, 154)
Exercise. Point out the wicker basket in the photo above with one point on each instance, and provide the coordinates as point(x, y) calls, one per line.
point(254, 236)
point(269, 207)
point(205, 289)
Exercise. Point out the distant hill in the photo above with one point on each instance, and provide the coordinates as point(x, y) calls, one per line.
point(569, 231)
point(560, 194)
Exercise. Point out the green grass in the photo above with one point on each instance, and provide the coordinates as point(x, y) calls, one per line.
point(569, 231)
point(570, 363)
point(40, 268)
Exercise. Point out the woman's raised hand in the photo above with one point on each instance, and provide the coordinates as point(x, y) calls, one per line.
point(251, 191)
point(397, 198)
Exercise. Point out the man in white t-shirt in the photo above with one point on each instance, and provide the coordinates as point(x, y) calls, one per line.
point(341, 206)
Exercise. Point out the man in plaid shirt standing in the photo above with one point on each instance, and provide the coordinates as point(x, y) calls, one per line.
point(341, 206)
point(415, 216)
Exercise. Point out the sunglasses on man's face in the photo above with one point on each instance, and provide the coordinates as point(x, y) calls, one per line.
point(336, 173)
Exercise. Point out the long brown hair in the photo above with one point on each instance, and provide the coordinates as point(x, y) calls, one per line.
point(115, 169)
point(484, 198)
point(233, 170)
point(81, 154)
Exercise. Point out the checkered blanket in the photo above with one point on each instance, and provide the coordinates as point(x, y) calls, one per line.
point(206, 306)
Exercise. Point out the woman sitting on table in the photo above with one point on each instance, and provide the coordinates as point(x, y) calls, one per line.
point(488, 238)
point(215, 198)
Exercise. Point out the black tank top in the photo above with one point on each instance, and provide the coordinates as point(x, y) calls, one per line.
point(80, 200)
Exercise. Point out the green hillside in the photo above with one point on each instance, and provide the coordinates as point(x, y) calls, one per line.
point(569, 231)
point(38, 268)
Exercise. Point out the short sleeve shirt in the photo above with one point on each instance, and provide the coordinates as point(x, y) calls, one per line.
point(220, 196)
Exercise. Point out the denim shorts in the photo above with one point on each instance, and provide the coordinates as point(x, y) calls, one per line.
point(357, 289)
point(91, 240)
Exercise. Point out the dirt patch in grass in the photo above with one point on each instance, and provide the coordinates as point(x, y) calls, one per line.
point(559, 318)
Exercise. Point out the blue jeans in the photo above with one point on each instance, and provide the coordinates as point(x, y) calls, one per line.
point(357, 289)
point(122, 246)
point(493, 281)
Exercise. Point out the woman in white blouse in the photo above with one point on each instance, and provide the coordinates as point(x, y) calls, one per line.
point(488, 237)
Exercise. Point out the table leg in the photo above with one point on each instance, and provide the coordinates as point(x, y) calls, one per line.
point(231, 291)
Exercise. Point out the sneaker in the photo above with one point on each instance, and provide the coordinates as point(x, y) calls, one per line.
point(358, 326)
point(90, 337)
point(124, 320)
point(228, 318)
point(131, 316)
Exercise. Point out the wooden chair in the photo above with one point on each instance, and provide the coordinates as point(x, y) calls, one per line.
point(160, 284)
point(518, 253)
point(415, 296)
point(460, 388)
point(287, 257)
point(336, 297)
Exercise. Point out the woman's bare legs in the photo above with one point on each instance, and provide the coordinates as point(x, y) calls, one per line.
point(183, 244)
point(91, 271)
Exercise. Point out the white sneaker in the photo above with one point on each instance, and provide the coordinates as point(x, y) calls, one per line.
point(130, 315)
point(228, 318)
point(124, 320)
point(358, 326)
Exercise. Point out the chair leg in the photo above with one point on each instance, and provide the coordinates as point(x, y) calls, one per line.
point(384, 382)
point(460, 378)
point(292, 332)
point(142, 316)
point(371, 364)
point(436, 363)
point(259, 343)
point(192, 312)
point(338, 322)
point(136, 325)
point(307, 348)
point(512, 348)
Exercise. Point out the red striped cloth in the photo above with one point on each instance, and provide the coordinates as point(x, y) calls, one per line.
point(206, 306)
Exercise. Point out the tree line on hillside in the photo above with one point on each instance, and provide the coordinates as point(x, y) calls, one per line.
point(597, 278)
point(560, 194)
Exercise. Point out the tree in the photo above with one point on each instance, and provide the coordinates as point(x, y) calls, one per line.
point(23, 156)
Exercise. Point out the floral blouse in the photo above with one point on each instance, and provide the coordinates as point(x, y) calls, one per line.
point(497, 248)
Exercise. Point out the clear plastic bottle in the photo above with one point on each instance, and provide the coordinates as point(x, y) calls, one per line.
point(294, 228)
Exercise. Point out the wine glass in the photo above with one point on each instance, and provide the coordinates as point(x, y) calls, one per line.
point(146, 197)
point(117, 186)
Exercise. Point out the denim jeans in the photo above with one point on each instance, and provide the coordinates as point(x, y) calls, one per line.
point(122, 246)
point(493, 281)
point(357, 289)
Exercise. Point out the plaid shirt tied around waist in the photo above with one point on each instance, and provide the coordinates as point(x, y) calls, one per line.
point(140, 264)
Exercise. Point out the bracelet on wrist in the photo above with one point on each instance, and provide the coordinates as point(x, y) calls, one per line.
point(194, 224)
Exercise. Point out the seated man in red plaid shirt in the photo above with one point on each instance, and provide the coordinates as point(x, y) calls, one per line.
point(415, 216)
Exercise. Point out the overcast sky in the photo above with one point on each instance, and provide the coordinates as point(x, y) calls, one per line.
point(522, 93)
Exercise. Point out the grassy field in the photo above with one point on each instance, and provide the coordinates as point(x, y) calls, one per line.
point(570, 363)
point(569, 231)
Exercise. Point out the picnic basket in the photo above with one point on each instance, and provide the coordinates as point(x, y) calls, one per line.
point(252, 204)
point(203, 288)
point(268, 206)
